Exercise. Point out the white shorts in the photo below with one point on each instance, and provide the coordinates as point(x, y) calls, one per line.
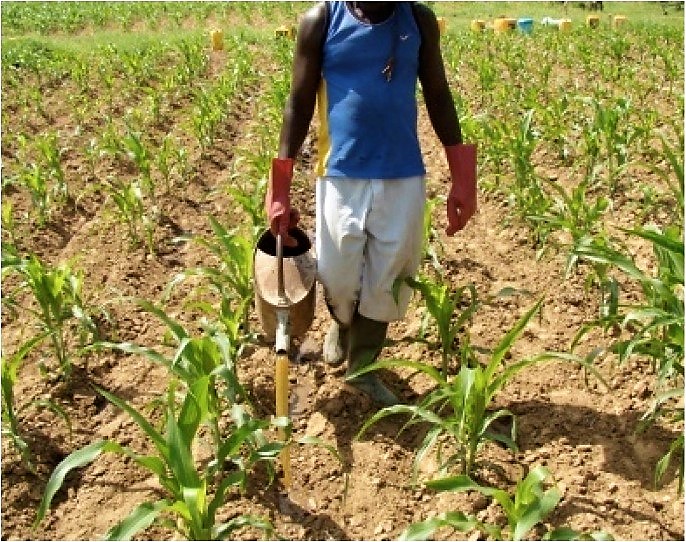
point(368, 234)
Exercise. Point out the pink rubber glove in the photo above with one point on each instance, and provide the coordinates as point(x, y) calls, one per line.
point(462, 196)
point(278, 200)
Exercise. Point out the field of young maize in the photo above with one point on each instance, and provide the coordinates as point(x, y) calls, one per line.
point(542, 358)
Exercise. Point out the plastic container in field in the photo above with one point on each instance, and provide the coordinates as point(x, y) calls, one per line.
point(525, 25)
point(501, 25)
point(441, 24)
point(477, 25)
point(619, 20)
point(285, 32)
point(217, 37)
point(593, 21)
point(565, 25)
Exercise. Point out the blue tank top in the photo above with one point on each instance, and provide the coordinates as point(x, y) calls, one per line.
point(368, 125)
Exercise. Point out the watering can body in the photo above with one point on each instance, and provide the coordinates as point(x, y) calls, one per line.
point(299, 277)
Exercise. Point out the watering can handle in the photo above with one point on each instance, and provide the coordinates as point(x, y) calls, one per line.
point(281, 288)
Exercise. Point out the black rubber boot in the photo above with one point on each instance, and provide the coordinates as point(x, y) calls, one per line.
point(366, 341)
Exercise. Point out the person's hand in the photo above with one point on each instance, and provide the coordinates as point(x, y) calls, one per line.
point(462, 195)
point(277, 203)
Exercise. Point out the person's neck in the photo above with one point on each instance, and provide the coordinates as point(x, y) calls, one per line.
point(372, 12)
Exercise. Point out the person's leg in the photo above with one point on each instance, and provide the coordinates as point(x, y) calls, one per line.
point(394, 227)
point(369, 233)
point(366, 338)
point(340, 240)
point(395, 235)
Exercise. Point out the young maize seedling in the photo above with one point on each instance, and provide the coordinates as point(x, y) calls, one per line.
point(442, 304)
point(655, 324)
point(458, 406)
point(530, 504)
point(57, 291)
point(192, 494)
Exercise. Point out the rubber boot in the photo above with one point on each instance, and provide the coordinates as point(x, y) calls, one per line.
point(366, 341)
point(336, 344)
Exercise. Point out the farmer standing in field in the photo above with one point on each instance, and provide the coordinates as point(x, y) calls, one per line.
point(360, 62)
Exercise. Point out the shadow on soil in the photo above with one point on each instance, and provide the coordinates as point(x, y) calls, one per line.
point(626, 453)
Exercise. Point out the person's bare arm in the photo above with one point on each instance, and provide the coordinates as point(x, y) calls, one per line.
point(307, 65)
point(437, 96)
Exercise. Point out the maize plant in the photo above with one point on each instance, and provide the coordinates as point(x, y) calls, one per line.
point(529, 506)
point(192, 494)
point(458, 406)
point(573, 213)
point(34, 178)
point(52, 157)
point(232, 277)
point(58, 294)
point(11, 411)
point(140, 219)
point(213, 397)
point(442, 305)
point(655, 324)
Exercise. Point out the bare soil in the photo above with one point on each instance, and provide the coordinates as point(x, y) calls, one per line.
point(568, 421)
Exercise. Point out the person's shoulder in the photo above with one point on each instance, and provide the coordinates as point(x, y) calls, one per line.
point(316, 15)
point(426, 21)
point(423, 13)
point(313, 25)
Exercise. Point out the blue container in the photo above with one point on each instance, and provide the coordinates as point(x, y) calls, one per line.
point(525, 25)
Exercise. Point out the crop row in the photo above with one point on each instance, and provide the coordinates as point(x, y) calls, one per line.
point(560, 150)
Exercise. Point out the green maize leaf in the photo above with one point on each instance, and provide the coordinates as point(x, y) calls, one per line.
point(586, 362)
point(394, 363)
point(10, 365)
point(536, 512)
point(676, 447)
point(465, 483)
point(231, 446)
point(510, 337)
point(75, 460)
point(131, 348)
point(315, 441)
point(270, 450)
point(234, 390)
point(144, 424)
point(427, 444)
point(195, 499)
point(610, 256)
point(177, 330)
point(194, 410)
point(423, 530)
point(664, 240)
point(202, 353)
point(180, 508)
point(223, 530)
point(509, 441)
point(151, 463)
point(141, 518)
point(426, 415)
point(235, 478)
point(180, 457)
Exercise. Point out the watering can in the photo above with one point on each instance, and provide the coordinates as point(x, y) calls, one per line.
point(284, 280)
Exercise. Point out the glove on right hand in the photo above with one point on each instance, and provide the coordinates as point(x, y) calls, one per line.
point(277, 202)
